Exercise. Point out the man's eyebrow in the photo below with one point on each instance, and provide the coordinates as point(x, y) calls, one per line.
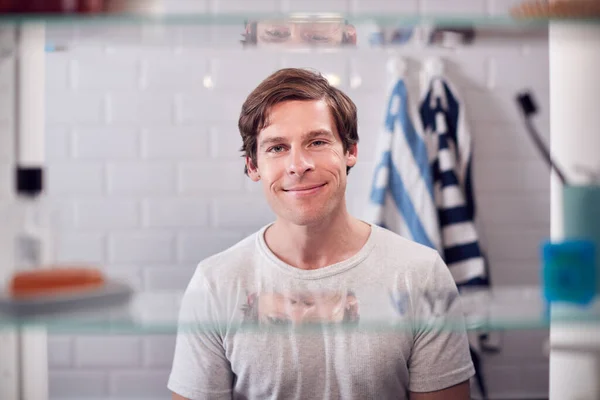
point(318, 132)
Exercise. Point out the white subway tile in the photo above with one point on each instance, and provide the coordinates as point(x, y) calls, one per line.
point(159, 350)
point(514, 75)
point(106, 351)
point(132, 276)
point(499, 106)
point(211, 177)
point(7, 187)
point(515, 245)
point(7, 141)
point(514, 210)
point(234, 6)
point(258, 66)
point(60, 353)
point(226, 142)
point(7, 70)
point(105, 143)
point(384, 6)
point(175, 143)
point(370, 71)
point(111, 214)
point(501, 142)
point(329, 6)
point(370, 105)
point(468, 7)
point(179, 212)
point(80, 248)
point(519, 347)
point(168, 277)
point(61, 213)
point(193, 247)
point(75, 178)
point(140, 384)
point(242, 212)
point(74, 107)
point(105, 72)
point(58, 143)
point(140, 108)
point(73, 384)
point(58, 68)
point(536, 378)
point(141, 247)
point(6, 107)
point(468, 69)
point(512, 272)
point(205, 107)
point(512, 176)
point(129, 178)
point(182, 72)
point(505, 381)
point(186, 6)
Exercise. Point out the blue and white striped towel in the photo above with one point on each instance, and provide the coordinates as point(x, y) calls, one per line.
point(449, 145)
point(402, 198)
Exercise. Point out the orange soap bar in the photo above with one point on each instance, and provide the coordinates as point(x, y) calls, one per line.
point(55, 280)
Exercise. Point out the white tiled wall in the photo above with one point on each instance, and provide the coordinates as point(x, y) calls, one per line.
point(145, 170)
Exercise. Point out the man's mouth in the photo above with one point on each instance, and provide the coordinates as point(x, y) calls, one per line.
point(304, 188)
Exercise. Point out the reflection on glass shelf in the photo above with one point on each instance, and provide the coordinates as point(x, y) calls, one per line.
point(510, 308)
point(449, 19)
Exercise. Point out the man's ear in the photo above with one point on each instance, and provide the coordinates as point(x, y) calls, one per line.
point(252, 170)
point(351, 155)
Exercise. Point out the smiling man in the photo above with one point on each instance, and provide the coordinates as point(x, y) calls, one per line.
point(388, 323)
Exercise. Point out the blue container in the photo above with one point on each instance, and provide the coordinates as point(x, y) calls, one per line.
point(571, 268)
point(581, 210)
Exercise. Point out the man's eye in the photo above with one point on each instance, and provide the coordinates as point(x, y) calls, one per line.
point(275, 149)
point(318, 142)
point(276, 34)
point(316, 37)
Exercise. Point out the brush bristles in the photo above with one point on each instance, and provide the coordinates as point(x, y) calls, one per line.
point(557, 9)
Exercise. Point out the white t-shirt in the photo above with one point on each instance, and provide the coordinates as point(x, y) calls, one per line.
point(381, 323)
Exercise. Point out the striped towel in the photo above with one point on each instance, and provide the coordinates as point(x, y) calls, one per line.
point(449, 145)
point(402, 198)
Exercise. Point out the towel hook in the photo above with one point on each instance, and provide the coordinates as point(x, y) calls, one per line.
point(397, 67)
point(434, 67)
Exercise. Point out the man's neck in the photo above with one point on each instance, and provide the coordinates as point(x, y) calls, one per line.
point(316, 246)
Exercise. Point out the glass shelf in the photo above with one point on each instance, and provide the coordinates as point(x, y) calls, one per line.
point(387, 19)
point(304, 30)
point(498, 309)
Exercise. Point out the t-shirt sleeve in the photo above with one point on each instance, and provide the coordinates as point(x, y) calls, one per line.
point(440, 356)
point(200, 368)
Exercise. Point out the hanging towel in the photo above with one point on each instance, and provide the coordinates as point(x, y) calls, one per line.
point(402, 195)
point(449, 144)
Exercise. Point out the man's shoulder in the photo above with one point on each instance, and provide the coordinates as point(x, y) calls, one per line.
point(397, 257)
point(400, 247)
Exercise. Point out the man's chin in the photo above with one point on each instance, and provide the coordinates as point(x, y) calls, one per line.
point(306, 218)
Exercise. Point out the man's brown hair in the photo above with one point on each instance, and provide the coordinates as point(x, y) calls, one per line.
point(294, 84)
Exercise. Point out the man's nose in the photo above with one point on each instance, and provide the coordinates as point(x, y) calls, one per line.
point(299, 162)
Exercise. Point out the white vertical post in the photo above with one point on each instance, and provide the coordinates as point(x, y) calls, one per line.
point(575, 141)
point(31, 120)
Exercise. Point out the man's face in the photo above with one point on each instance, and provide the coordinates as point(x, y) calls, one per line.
point(301, 162)
point(304, 33)
point(305, 307)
